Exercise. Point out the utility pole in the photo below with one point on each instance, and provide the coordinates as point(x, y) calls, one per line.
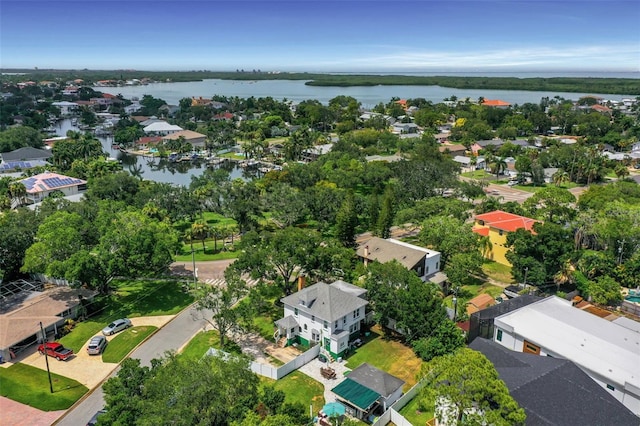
point(195, 274)
point(46, 357)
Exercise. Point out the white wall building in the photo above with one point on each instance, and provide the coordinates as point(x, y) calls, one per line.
point(423, 261)
point(608, 352)
point(329, 314)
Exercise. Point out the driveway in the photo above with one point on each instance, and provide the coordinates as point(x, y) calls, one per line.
point(86, 369)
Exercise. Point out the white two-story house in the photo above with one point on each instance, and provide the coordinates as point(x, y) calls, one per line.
point(606, 350)
point(424, 262)
point(328, 314)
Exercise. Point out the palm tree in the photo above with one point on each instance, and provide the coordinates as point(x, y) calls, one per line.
point(18, 193)
point(566, 274)
point(498, 166)
point(621, 171)
point(200, 230)
point(560, 177)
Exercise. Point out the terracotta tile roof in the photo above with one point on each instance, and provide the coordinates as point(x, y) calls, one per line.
point(482, 231)
point(146, 140)
point(495, 103)
point(506, 221)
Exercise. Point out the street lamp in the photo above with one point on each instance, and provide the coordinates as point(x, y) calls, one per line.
point(455, 308)
point(193, 259)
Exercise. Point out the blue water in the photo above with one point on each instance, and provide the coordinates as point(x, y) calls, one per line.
point(635, 299)
point(368, 96)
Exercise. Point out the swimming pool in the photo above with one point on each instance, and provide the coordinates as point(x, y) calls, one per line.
point(633, 298)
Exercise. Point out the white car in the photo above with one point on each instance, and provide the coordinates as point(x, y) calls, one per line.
point(117, 325)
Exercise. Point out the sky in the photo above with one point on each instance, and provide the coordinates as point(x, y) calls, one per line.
point(323, 36)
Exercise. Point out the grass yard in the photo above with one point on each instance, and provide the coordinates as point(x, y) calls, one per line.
point(125, 341)
point(299, 388)
point(130, 299)
point(477, 174)
point(413, 414)
point(265, 326)
point(210, 252)
point(201, 342)
point(498, 272)
point(30, 385)
point(391, 356)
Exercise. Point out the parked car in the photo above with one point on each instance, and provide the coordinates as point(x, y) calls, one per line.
point(55, 350)
point(94, 419)
point(117, 325)
point(96, 345)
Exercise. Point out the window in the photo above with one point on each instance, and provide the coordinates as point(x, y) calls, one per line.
point(437, 266)
point(305, 327)
point(313, 318)
point(344, 319)
point(610, 387)
point(419, 270)
point(500, 232)
point(325, 324)
point(356, 313)
point(426, 270)
point(295, 311)
point(335, 325)
point(293, 329)
point(499, 336)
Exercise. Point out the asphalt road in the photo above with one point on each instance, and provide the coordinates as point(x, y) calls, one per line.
point(171, 337)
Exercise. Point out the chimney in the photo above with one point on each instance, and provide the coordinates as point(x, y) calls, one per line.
point(366, 251)
point(301, 280)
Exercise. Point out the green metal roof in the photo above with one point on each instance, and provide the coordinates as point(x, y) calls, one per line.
point(360, 396)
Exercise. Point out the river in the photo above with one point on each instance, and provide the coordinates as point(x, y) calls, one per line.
point(297, 91)
point(156, 169)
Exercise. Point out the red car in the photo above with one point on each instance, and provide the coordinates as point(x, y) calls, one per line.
point(55, 350)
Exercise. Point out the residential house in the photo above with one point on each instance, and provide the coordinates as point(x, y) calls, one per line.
point(424, 262)
point(495, 103)
point(133, 108)
point(42, 185)
point(23, 159)
point(368, 392)
point(552, 391)
point(197, 140)
point(328, 314)
point(481, 145)
point(481, 323)
point(607, 351)
point(66, 107)
point(161, 128)
point(313, 153)
point(452, 149)
point(496, 225)
point(147, 142)
point(23, 311)
point(404, 128)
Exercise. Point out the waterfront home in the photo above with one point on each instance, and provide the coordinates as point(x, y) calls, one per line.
point(197, 140)
point(161, 128)
point(42, 185)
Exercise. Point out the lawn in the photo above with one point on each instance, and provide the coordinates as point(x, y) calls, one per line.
point(212, 251)
point(498, 272)
point(477, 174)
point(130, 299)
point(299, 388)
point(125, 341)
point(30, 385)
point(388, 355)
point(413, 414)
point(201, 342)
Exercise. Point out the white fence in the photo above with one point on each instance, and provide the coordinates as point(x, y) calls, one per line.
point(278, 373)
point(393, 415)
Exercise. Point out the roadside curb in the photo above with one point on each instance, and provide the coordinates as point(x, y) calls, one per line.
point(117, 366)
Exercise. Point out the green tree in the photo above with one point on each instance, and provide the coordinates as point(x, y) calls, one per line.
point(200, 230)
point(18, 229)
point(552, 204)
point(18, 137)
point(347, 221)
point(471, 393)
point(387, 213)
point(217, 304)
point(396, 293)
point(605, 291)
point(446, 339)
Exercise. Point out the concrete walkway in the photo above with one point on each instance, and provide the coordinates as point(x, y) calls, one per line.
point(312, 369)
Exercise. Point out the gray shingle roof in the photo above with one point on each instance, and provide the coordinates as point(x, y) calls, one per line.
point(377, 380)
point(554, 391)
point(325, 302)
point(27, 153)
